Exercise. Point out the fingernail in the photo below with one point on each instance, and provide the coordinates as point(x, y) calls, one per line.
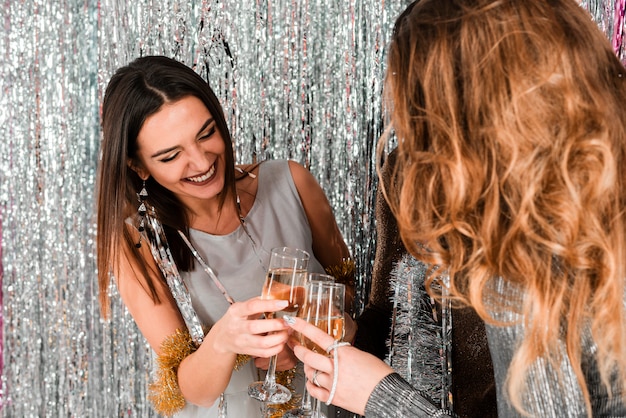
point(282, 304)
point(289, 320)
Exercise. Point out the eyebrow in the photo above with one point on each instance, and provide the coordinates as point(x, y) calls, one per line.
point(165, 151)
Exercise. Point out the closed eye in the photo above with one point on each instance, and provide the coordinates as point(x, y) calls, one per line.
point(170, 157)
point(208, 134)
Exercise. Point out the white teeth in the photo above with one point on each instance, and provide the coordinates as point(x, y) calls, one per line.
point(203, 177)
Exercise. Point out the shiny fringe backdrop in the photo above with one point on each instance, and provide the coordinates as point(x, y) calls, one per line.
point(298, 79)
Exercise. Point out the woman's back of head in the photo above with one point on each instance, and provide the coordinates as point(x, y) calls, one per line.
point(512, 159)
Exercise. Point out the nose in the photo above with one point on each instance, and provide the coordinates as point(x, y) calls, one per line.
point(198, 159)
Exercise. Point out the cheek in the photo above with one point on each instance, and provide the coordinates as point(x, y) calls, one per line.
point(165, 174)
point(220, 152)
point(217, 147)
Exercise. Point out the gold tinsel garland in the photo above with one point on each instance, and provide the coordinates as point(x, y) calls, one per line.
point(164, 393)
point(343, 273)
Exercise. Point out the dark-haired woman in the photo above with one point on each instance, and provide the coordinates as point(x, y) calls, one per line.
point(167, 160)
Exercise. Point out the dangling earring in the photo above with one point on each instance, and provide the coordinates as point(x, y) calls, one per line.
point(142, 195)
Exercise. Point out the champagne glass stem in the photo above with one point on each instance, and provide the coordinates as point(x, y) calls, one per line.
point(268, 391)
point(270, 377)
point(306, 407)
point(306, 400)
point(318, 411)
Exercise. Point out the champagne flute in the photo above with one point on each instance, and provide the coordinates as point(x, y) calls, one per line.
point(306, 409)
point(286, 277)
point(324, 308)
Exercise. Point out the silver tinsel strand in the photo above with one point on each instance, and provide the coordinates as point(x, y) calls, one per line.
point(298, 79)
point(420, 344)
point(155, 235)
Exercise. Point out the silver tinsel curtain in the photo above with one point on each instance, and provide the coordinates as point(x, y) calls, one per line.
point(298, 79)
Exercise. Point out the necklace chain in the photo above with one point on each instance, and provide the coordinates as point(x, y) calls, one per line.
point(244, 226)
point(207, 269)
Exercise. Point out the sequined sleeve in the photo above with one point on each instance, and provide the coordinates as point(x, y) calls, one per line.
point(394, 397)
point(552, 392)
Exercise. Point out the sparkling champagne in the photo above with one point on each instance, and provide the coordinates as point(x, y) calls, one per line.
point(284, 284)
point(333, 326)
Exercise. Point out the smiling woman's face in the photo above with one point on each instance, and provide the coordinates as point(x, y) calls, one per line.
point(181, 148)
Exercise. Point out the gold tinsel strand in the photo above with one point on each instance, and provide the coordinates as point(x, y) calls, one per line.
point(343, 273)
point(165, 394)
point(241, 360)
point(287, 379)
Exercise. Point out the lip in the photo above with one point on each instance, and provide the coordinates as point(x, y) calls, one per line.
point(202, 178)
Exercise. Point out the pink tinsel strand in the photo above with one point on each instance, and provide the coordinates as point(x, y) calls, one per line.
point(618, 27)
point(1, 317)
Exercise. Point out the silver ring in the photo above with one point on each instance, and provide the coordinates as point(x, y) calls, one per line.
point(314, 379)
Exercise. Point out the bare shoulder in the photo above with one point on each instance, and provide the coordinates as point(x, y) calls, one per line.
point(302, 177)
point(129, 278)
point(328, 244)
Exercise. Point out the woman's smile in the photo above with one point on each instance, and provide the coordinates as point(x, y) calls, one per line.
point(203, 178)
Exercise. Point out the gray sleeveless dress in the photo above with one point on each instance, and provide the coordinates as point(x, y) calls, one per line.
point(276, 219)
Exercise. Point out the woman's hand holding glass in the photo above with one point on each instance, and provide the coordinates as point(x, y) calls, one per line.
point(285, 360)
point(285, 280)
point(358, 372)
point(324, 308)
point(239, 331)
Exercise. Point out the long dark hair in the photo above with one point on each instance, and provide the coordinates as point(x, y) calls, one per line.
point(135, 92)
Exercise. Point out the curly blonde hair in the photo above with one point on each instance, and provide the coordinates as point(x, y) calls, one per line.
point(512, 163)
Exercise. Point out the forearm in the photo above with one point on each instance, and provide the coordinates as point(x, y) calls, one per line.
point(204, 375)
point(393, 397)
